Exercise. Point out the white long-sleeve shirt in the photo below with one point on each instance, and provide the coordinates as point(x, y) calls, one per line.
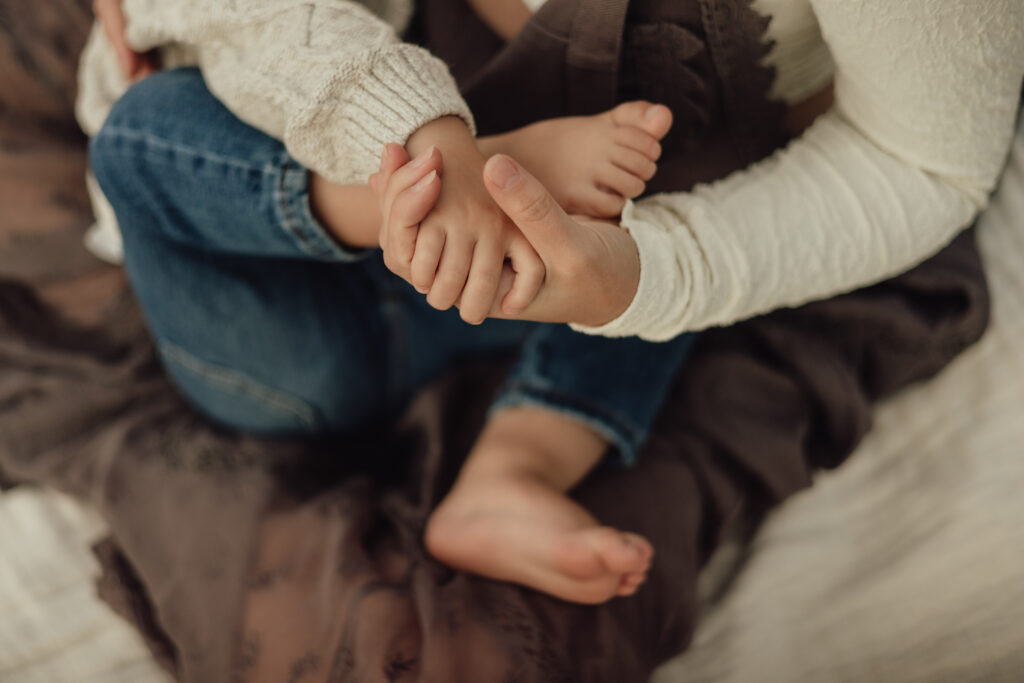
point(926, 94)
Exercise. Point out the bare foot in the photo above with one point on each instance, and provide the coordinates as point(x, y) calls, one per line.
point(508, 517)
point(591, 164)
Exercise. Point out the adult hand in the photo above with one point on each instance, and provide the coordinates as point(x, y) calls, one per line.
point(455, 252)
point(592, 266)
point(134, 65)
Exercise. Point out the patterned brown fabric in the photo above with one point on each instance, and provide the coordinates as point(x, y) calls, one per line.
point(257, 560)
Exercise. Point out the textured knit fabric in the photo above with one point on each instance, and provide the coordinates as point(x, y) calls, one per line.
point(329, 78)
point(926, 94)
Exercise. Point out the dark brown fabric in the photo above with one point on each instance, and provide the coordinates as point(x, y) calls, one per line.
point(575, 57)
point(256, 560)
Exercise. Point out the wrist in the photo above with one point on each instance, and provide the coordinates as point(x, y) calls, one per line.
point(445, 133)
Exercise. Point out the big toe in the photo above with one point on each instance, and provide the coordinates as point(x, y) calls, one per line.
point(653, 119)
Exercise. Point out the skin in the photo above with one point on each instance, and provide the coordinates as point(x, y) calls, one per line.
point(485, 234)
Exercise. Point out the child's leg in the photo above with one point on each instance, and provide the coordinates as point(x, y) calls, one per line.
point(508, 515)
point(265, 322)
point(590, 164)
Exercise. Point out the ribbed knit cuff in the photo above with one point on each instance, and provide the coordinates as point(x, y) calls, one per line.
point(405, 88)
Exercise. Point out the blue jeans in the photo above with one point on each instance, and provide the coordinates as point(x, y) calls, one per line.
point(268, 325)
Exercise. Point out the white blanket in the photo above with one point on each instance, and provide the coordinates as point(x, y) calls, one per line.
point(905, 565)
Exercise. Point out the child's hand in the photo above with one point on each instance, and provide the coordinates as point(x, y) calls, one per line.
point(457, 252)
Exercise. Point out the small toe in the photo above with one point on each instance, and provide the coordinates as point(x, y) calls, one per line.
point(638, 140)
point(634, 162)
point(601, 204)
point(621, 182)
point(630, 584)
point(618, 551)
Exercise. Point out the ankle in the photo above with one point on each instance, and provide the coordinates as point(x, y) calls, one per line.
point(535, 443)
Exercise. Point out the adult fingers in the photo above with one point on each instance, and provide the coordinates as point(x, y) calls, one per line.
point(529, 274)
point(530, 206)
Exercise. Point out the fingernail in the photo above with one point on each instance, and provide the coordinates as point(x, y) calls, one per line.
point(502, 172)
point(424, 182)
point(422, 158)
point(651, 113)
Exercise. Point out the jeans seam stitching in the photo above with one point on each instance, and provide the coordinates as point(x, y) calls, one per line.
point(291, 225)
point(235, 380)
point(117, 131)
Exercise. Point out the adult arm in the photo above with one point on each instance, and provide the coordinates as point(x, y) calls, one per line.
point(926, 94)
point(327, 77)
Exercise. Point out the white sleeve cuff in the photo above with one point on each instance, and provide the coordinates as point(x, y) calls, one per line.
point(665, 285)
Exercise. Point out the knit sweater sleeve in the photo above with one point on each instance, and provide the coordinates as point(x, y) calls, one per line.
point(327, 77)
point(926, 94)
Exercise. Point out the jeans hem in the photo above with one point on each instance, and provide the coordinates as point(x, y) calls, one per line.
point(624, 438)
point(298, 220)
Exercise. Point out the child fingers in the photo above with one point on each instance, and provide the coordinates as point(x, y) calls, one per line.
point(634, 162)
point(482, 282)
point(529, 277)
point(429, 245)
point(636, 139)
point(620, 181)
point(451, 273)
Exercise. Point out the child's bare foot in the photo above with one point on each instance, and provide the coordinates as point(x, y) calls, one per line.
point(591, 164)
point(508, 517)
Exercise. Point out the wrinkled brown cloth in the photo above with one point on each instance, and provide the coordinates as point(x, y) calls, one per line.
point(254, 560)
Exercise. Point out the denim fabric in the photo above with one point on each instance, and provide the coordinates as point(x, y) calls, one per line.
point(268, 325)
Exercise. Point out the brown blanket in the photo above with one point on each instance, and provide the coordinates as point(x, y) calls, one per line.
point(256, 560)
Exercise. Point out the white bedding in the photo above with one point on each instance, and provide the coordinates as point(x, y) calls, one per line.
point(905, 565)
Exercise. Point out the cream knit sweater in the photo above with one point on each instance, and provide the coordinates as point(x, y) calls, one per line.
point(329, 78)
point(926, 94)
